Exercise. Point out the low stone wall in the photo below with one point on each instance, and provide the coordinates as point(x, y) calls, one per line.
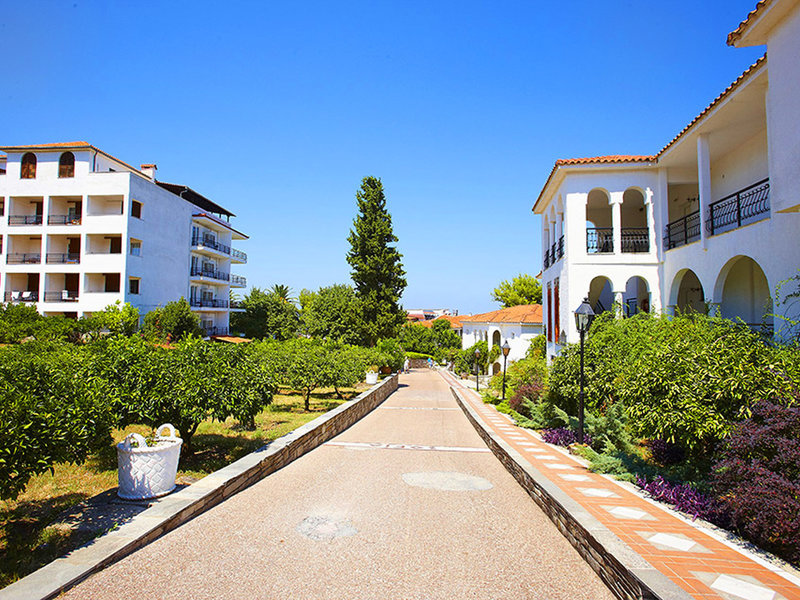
point(626, 574)
point(175, 509)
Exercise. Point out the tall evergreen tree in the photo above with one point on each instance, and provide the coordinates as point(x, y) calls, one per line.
point(377, 273)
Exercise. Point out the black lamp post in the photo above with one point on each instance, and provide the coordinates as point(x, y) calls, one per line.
point(506, 349)
point(477, 358)
point(583, 318)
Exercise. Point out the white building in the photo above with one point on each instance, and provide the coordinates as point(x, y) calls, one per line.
point(81, 229)
point(517, 325)
point(709, 223)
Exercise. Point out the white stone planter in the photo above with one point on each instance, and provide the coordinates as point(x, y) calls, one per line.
point(148, 471)
point(372, 377)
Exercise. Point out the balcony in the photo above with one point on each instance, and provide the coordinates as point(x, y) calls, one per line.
point(238, 255)
point(63, 219)
point(210, 274)
point(554, 253)
point(682, 231)
point(24, 258)
point(599, 240)
point(25, 219)
point(208, 303)
point(238, 281)
point(748, 205)
point(216, 331)
point(635, 239)
point(200, 242)
point(61, 296)
point(27, 296)
point(59, 258)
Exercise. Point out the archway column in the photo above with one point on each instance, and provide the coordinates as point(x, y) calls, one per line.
point(616, 220)
point(703, 183)
point(618, 300)
point(651, 224)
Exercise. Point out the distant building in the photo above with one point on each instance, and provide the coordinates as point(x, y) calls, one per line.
point(454, 320)
point(709, 223)
point(81, 229)
point(427, 314)
point(517, 325)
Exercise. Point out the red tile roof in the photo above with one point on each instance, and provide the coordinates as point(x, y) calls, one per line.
point(614, 158)
point(455, 321)
point(524, 313)
point(744, 25)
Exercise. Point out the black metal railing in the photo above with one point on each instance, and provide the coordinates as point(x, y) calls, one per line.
point(210, 273)
point(599, 240)
point(547, 260)
point(635, 239)
point(239, 280)
point(740, 208)
point(25, 219)
point(682, 231)
point(208, 303)
point(560, 248)
point(24, 258)
point(62, 258)
point(239, 255)
point(27, 296)
point(63, 219)
point(216, 331)
point(210, 243)
point(61, 296)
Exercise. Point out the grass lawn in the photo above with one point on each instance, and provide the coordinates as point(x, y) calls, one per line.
point(31, 530)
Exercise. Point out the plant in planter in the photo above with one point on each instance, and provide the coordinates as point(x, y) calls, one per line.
point(372, 374)
point(147, 467)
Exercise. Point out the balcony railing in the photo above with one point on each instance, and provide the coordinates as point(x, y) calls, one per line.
point(554, 253)
point(63, 258)
point(216, 331)
point(239, 255)
point(746, 206)
point(199, 241)
point(208, 303)
point(210, 273)
point(238, 280)
point(560, 248)
point(24, 258)
point(635, 239)
point(63, 219)
point(25, 219)
point(599, 240)
point(61, 296)
point(27, 296)
point(683, 231)
point(547, 260)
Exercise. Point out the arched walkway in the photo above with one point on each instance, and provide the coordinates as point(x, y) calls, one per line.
point(687, 294)
point(743, 292)
point(601, 296)
point(599, 232)
point(633, 214)
point(636, 297)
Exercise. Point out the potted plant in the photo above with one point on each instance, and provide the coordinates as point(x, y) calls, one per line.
point(147, 470)
point(372, 374)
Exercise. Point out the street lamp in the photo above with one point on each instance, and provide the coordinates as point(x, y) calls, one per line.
point(583, 318)
point(477, 383)
point(506, 349)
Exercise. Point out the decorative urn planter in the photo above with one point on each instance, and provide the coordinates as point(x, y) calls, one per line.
point(148, 471)
point(372, 377)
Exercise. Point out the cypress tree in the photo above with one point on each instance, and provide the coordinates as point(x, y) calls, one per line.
point(377, 274)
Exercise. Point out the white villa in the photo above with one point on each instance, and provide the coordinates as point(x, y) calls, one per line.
point(711, 222)
point(81, 229)
point(517, 325)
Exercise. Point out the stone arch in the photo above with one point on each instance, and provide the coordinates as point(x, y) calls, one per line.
point(599, 224)
point(687, 293)
point(601, 294)
point(633, 220)
point(636, 297)
point(742, 291)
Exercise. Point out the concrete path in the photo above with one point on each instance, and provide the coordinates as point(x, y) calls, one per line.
point(407, 503)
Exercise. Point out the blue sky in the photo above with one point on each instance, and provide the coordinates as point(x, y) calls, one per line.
point(277, 110)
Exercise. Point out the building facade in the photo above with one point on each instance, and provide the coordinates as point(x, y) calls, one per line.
point(81, 229)
point(710, 223)
point(516, 325)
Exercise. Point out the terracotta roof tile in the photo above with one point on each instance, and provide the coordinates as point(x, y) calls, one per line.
point(524, 313)
point(614, 158)
point(751, 16)
point(455, 321)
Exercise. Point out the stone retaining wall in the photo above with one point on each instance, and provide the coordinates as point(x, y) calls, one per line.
point(175, 509)
point(626, 574)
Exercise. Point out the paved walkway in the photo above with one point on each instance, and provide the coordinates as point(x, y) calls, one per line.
point(697, 559)
point(407, 503)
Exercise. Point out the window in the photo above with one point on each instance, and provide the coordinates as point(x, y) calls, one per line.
point(66, 165)
point(28, 170)
point(133, 286)
point(2, 207)
point(111, 282)
point(136, 247)
point(136, 209)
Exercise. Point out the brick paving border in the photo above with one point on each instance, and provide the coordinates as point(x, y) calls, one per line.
point(177, 508)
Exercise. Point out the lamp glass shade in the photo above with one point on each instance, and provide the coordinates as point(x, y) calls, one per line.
point(505, 348)
point(583, 315)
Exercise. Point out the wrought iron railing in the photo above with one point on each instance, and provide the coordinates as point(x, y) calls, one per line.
point(24, 258)
point(238, 280)
point(72, 258)
point(547, 260)
point(635, 239)
point(208, 303)
point(746, 206)
point(63, 219)
point(599, 240)
point(210, 273)
point(210, 243)
point(62, 296)
point(216, 331)
point(27, 296)
point(25, 219)
point(560, 249)
point(239, 255)
point(682, 231)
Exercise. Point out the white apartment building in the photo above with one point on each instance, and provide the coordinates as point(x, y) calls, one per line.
point(515, 325)
point(81, 229)
point(711, 222)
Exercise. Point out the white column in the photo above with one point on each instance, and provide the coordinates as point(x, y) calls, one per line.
point(616, 220)
point(618, 298)
point(663, 209)
point(651, 222)
point(703, 184)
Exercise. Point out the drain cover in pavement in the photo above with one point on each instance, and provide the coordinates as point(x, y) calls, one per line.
point(324, 528)
point(449, 481)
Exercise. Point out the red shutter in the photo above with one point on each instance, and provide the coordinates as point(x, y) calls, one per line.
point(556, 313)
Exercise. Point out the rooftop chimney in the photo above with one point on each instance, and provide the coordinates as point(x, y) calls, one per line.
point(149, 170)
